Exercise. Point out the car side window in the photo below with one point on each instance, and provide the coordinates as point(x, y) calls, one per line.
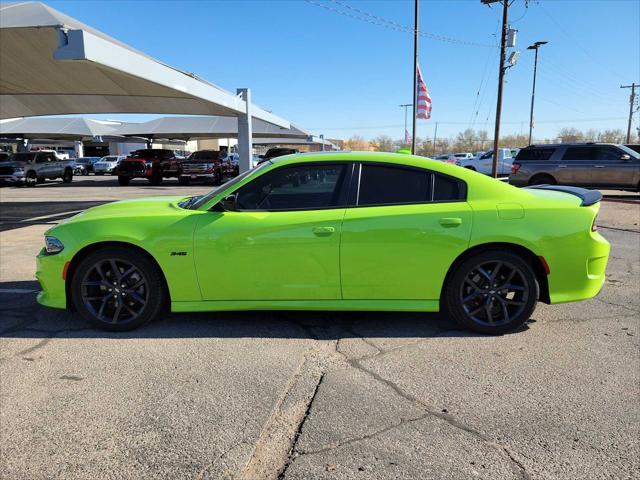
point(608, 154)
point(578, 153)
point(447, 189)
point(302, 187)
point(389, 185)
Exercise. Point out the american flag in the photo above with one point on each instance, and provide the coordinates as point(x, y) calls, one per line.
point(424, 100)
point(407, 137)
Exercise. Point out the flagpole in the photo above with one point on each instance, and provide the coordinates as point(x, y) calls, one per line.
point(415, 75)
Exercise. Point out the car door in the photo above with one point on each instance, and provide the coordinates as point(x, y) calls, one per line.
point(406, 228)
point(485, 163)
point(281, 243)
point(610, 169)
point(44, 165)
point(576, 166)
point(506, 160)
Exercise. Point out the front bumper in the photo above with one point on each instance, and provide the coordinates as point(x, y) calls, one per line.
point(12, 178)
point(49, 271)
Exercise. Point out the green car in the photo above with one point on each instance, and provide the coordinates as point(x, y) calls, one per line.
point(332, 231)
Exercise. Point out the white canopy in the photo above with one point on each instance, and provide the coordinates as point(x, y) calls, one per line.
point(53, 64)
point(186, 128)
point(71, 128)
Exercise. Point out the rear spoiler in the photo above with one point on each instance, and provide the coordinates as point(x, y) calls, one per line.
point(588, 197)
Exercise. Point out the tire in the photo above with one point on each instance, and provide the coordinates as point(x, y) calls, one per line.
point(184, 180)
point(477, 305)
point(85, 172)
point(31, 179)
point(98, 294)
point(67, 176)
point(123, 181)
point(155, 180)
point(98, 173)
point(542, 179)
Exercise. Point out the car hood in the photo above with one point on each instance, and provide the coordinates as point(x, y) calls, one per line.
point(142, 207)
point(13, 164)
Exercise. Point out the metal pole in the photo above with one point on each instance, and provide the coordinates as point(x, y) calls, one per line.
point(245, 132)
point(322, 142)
point(415, 75)
point(496, 135)
point(435, 137)
point(533, 95)
point(631, 100)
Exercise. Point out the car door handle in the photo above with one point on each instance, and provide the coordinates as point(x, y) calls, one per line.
point(323, 231)
point(599, 166)
point(562, 166)
point(450, 222)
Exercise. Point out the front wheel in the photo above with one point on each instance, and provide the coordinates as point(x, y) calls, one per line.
point(117, 289)
point(492, 292)
point(31, 179)
point(542, 180)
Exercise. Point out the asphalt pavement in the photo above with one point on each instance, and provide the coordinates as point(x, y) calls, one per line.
point(297, 395)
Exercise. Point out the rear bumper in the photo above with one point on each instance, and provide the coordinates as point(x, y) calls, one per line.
point(580, 275)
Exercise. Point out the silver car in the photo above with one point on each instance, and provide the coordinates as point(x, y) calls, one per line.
point(107, 164)
point(596, 165)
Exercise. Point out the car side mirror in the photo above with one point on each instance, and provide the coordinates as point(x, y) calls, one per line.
point(625, 157)
point(227, 204)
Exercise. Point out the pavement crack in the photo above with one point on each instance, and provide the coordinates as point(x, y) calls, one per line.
point(516, 465)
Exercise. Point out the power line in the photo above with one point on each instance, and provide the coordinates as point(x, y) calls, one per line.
point(372, 19)
point(514, 122)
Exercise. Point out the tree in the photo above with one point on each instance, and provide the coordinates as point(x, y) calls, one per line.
point(356, 142)
point(612, 136)
point(465, 141)
point(570, 134)
point(383, 143)
point(483, 139)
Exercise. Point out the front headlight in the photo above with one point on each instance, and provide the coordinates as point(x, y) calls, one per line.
point(18, 171)
point(52, 245)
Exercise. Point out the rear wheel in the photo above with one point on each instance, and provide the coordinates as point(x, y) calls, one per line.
point(542, 180)
point(67, 176)
point(492, 292)
point(123, 181)
point(117, 289)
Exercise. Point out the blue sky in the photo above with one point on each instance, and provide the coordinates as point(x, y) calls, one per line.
point(330, 73)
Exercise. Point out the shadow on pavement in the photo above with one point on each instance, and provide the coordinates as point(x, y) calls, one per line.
point(22, 317)
point(22, 214)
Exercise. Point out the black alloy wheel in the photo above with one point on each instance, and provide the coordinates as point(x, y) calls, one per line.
point(117, 289)
point(492, 292)
point(31, 179)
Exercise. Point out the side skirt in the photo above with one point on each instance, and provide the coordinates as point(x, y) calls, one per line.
point(335, 305)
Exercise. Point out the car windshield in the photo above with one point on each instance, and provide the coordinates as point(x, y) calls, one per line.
point(197, 202)
point(109, 159)
point(22, 157)
point(632, 153)
point(205, 155)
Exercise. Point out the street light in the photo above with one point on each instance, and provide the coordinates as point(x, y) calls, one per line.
point(535, 47)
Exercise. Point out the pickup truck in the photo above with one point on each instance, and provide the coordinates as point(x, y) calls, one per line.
point(484, 162)
point(152, 164)
point(30, 168)
point(203, 165)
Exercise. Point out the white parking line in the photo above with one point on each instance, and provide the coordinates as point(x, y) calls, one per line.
point(16, 290)
point(53, 215)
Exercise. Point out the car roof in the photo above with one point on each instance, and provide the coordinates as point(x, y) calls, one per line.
point(572, 144)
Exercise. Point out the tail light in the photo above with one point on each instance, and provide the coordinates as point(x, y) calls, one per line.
point(514, 168)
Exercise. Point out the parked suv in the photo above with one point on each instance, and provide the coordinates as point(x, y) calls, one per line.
point(203, 165)
point(150, 163)
point(87, 164)
point(29, 168)
point(597, 165)
point(277, 152)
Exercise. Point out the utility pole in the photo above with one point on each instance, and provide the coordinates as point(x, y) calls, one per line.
point(414, 97)
point(503, 53)
point(535, 47)
point(435, 137)
point(632, 99)
point(405, 106)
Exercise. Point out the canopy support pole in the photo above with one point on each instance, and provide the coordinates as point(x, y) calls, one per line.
point(245, 132)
